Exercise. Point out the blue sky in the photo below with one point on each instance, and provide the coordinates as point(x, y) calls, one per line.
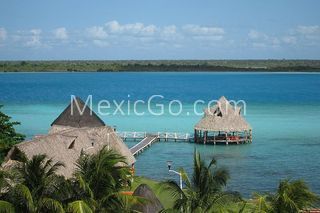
point(159, 29)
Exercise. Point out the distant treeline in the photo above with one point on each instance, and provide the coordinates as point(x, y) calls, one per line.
point(161, 65)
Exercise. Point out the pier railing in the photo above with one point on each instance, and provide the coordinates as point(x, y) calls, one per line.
point(160, 135)
point(132, 135)
point(174, 135)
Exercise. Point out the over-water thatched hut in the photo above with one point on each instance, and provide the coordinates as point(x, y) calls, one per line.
point(222, 123)
point(76, 130)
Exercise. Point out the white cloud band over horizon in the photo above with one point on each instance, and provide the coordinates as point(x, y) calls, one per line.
point(115, 40)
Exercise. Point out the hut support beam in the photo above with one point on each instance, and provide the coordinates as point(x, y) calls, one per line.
point(196, 136)
point(227, 142)
point(205, 133)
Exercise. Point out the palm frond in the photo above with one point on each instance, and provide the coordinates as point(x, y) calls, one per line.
point(172, 187)
point(50, 205)
point(261, 203)
point(21, 196)
point(185, 177)
point(220, 201)
point(6, 207)
point(78, 206)
point(213, 163)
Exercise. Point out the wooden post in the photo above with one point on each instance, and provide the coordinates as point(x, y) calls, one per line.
point(205, 133)
point(214, 138)
point(246, 135)
point(195, 135)
point(227, 138)
point(237, 137)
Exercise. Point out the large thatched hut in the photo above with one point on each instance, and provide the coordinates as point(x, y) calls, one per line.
point(222, 123)
point(76, 130)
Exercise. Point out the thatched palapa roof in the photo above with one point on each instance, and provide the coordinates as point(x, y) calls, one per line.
point(65, 142)
point(152, 205)
point(78, 114)
point(67, 145)
point(223, 117)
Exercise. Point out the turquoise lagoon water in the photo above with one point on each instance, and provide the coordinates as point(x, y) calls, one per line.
point(283, 109)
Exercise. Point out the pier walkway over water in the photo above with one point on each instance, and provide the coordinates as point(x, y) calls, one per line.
point(147, 139)
point(143, 144)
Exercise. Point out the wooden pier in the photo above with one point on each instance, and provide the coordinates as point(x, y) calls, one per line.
point(143, 144)
point(161, 136)
point(147, 139)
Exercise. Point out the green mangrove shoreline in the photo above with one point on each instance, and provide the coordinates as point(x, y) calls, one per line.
point(162, 66)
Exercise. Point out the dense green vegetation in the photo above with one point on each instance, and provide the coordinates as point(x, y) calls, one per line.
point(33, 186)
point(8, 135)
point(204, 191)
point(160, 65)
point(291, 196)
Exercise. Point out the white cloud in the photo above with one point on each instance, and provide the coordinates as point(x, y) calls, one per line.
point(275, 41)
point(307, 30)
point(262, 40)
point(311, 33)
point(97, 32)
point(131, 33)
point(131, 29)
point(204, 32)
point(255, 35)
point(3, 34)
point(144, 34)
point(170, 32)
point(289, 39)
point(101, 43)
point(61, 33)
point(259, 45)
point(35, 38)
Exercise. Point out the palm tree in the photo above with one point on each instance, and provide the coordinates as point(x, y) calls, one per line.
point(35, 186)
point(8, 135)
point(291, 196)
point(204, 192)
point(95, 187)
point(4, 182)
point(39, 175)
point(261, 203)
point(79, 206)
point(99, 179)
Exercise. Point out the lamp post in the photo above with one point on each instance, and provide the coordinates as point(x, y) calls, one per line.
point(169, 163)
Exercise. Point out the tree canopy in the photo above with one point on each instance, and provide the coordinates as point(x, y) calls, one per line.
point(8, 134)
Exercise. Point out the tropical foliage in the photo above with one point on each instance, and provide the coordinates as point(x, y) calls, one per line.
point(30, 186)
point(33, 185)
point(291, 196)
point(204, 192)
point(8, 135)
